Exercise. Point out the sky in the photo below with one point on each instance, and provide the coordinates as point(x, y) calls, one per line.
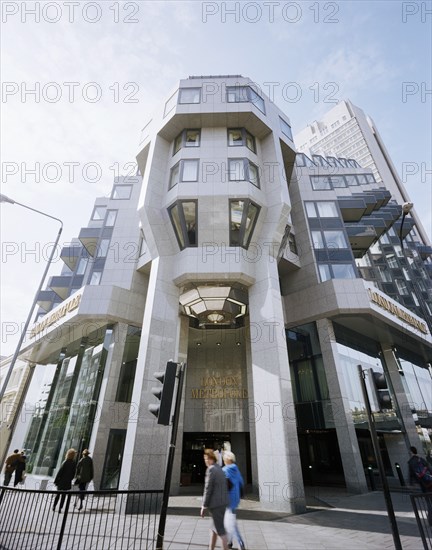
point(80, 80)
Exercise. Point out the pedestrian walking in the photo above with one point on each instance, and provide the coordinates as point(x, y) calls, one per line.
point(235, 487)
point(20, 468)
point(84, 474)
point(215, 498)
point(10, 465)
point(420, 471)
point(64, 477)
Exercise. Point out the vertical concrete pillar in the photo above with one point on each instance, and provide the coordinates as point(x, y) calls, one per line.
point(146, 444)
point(277, 452)
point(348, 444)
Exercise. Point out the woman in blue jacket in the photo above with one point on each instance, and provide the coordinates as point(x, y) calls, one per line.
point(235, 484)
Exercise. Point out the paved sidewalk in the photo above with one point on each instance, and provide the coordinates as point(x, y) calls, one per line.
point(334, 520)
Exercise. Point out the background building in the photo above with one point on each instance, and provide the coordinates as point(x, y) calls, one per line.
point(260, 268)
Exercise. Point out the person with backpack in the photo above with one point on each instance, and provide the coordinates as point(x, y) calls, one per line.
point(420, 471)
point(235, 487)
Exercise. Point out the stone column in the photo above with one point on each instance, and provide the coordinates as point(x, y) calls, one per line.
point(146, 446)
point(348, 444)
point(277, 452)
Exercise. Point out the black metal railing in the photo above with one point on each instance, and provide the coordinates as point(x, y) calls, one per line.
point(29, 519)
point(422, 505)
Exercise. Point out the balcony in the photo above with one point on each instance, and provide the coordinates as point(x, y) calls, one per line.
point(46, 298)
point(424, 251)
point(60, 284)
point(361, 237)
point(71, 256)
point(370, 201)
point(408, 224)
point(352, 209)
point(89, 237)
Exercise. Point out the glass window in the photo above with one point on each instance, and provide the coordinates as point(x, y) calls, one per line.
point(102, 249)
point(174, 176)
point(236, 169)
point(320, 183)
point(351, 180)
point(243, 218)
point(338, 181)
point(370, 178)
point(190, 95)
point(401, 286)
point(111, 218)
point(239, 137)
point(324, 271)
point(121, 192)
point(317, 239)
point(327, 209)
point(243, 170)
point(187, 138)
point(98, 213)
point(343, 271)
point(242, 94)
point(82, 266)
point(95, 277)
point(335, 239)
point(286, 128)
point(361, 178)
point(183, 216)
point(189, 170)
point(310, 210)
point(129, 361)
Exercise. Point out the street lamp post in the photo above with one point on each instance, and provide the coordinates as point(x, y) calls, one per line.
point(3, 198)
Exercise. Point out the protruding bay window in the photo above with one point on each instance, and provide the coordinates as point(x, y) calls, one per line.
point(243, 217)
point(183, 215)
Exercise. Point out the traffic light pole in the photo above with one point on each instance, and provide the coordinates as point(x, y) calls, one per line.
point(170, 462)
point(375, 444)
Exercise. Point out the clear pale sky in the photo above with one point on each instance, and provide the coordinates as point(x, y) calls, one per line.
point(97, 70)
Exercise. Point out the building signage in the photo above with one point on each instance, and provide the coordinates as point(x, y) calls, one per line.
point(219, 387)
point(49, 320)
point(393, 308)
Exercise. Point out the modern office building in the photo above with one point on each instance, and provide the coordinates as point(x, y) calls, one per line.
point(235, 254)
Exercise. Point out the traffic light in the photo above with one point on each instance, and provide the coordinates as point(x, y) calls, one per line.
point(381, 390)
point(165, 393)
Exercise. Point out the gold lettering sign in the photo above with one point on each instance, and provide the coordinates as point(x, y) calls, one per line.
point(389, 306)
point(219, 387)
point(51, 319)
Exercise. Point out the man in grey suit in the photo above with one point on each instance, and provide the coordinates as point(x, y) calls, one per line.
point(215, 498)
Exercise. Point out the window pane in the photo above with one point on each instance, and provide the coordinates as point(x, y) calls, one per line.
point(237, 94)
point(174, 178)
point(192, 138)
point(310, 209)
point(235, 137)
point(122, 192)
point(343, 271)
point(256, 100)
point(351, 180)
point(95, 277)
point(320, 182)
point(236, 169)
point(338, 181)
point(324, 271)
point(327, 210)
point(335, 239)
point(361, 178)
point(253, 174)
point(251, 217)
point(190, 170)
point(317, 239)
point(286, 128)
point(171, 103)
point(190, 95)
point(177, 225)
point(250, 141)
point(236, 218)
point(370, 178)
point(102, 249)
point(178, 143)
point(111, 218)
point(82, 266)
point(98, 213)
point(189, 211)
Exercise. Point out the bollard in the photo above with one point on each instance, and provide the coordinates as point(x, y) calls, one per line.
point(371, 478)
point(400, 474)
